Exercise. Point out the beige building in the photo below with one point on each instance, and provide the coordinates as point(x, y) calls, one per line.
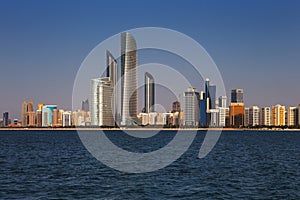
point(278, 115)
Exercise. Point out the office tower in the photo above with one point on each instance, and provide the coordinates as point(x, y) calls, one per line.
point(129, 98)
point(23, 113)
point(254, 116)
point(237, 114)
point(85, 106)
point(5, 119)
point(265, 116)
point(291, 116)
point(222, 101)
point(237, 96)
point(47, 115)
point(67, 118)
point(176, 106)
point(222, 116)
point(149, 93)
point(246, 117)
point(278, 115)
point(191, 108)
point(101, 94)
point(112, 73)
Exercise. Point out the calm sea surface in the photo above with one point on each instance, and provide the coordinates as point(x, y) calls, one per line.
point(243, 165)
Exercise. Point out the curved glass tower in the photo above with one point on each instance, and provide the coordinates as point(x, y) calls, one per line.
point(129, 98)
point(149, 93)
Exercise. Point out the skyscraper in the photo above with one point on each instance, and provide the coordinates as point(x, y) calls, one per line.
point(23, 113)
point(191, 108)
point(112, 73)
point(101, 94)
point(237, 96)
point(149, 93)
point(5, 119)
point(129, 98)
point(210, 91)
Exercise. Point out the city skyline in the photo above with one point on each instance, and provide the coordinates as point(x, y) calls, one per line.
point(251, 43)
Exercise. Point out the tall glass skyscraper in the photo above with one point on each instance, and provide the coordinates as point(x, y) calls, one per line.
point(149, 93)
point(129, 98)
point(112, 73)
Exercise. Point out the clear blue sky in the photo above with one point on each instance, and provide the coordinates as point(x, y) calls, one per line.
point(256, 44)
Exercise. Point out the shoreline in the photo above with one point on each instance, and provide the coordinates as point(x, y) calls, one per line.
point(142, 129)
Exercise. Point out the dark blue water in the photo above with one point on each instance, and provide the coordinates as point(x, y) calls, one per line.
point(243, 165)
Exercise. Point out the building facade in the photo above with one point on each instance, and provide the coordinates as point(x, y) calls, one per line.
point(278, 115)
point(254, 116)
point(265, 116)
point(129, 98)
point(191, 108)
point(101, 111)
point(149, 93)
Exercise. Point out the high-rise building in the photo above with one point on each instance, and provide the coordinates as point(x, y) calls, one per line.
point(291, 116)
point(28, 114)
point(237, 96)
point(298, 115)
point(23, 113)
point(222, 101)
point(47, 115)
point(278, 115)
point(55, 117)
point(246, 117)
point(85, 106)
point(237, 114)
point(5, 119)
point(67, 118)
point(214, 117)
point(222, 116)
point(203, 110)
point(112, 73)
point(176, 106)
point(210, 91)
point(101, 94)
point(149, 93)
point(254, 116)
point(191, 108)
point(129, 98)
point(265, 116)
point(39, 115)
